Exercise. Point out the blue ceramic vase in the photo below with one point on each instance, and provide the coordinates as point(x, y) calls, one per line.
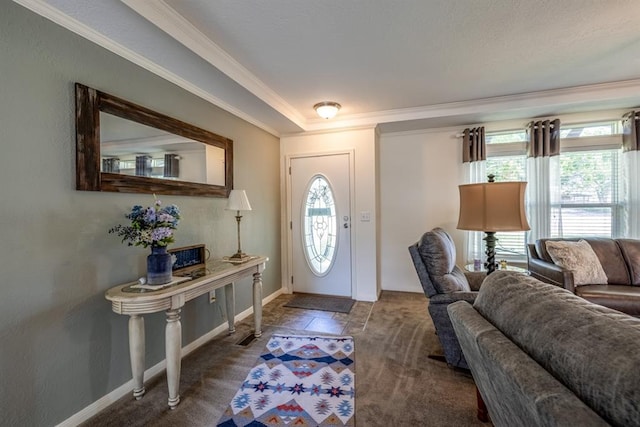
point(158, 266)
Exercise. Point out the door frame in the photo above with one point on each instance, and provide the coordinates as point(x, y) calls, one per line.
point(287, 250)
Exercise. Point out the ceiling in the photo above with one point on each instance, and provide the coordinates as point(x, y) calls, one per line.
point(399, 64)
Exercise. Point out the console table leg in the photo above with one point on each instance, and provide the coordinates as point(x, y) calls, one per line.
point(257, 303)
point(230, 300)
point(136, 354)
point(173, 343)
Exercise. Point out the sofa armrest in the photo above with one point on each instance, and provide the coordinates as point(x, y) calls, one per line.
point(551, 273)
point(475, 279)
point(517, 390)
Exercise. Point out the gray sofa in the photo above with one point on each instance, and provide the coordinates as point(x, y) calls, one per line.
point(541, 356)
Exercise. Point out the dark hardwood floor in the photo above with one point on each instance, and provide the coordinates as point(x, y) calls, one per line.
point(397, 384)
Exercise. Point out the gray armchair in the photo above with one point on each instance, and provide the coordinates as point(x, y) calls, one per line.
point(434, 257)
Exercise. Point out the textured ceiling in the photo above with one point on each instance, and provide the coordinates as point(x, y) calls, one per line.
point(384, 55)
point(403, 63)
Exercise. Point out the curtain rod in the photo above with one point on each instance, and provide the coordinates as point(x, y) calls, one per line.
point(530, 125)
point(460, 135)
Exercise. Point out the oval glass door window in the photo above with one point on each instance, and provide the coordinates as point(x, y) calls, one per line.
point(319, 220)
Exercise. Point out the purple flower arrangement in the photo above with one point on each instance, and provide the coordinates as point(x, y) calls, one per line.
point(150, 226)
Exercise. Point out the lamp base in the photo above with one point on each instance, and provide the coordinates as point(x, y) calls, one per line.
point(491, 240)
point(239, 256)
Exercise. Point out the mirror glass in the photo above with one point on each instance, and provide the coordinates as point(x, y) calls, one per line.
point(130, 148)
point(125, 147)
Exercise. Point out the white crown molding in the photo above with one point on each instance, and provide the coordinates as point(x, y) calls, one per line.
point(367, 126)
point(47, 11)
point(454, 130)
point(576, 95)
point(171, 22)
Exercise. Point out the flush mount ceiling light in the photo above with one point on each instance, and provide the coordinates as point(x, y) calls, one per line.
point(327, 109)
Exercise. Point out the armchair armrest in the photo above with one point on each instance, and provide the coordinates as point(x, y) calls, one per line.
point(450, 297)
point(475, 279)
point(551, 273)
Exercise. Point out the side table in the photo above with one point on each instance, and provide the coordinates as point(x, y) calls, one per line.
point(469, 267)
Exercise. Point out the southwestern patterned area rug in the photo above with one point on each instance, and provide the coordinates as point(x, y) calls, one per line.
point(297, 381)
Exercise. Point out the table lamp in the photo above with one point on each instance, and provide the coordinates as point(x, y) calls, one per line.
point(492, 207)
point(238, 201)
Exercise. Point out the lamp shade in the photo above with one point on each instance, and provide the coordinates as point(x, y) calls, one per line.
point(238, 201)
point(493, 206)
point(327, 109)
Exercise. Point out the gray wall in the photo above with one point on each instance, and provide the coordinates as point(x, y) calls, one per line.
point(62, 347)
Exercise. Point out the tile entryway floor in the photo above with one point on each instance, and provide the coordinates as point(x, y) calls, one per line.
point(317, 320)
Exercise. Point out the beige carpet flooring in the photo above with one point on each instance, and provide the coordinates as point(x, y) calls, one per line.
point(396, 383)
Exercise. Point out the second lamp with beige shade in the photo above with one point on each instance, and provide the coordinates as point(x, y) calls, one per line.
point(492, 207)
point(238, 201)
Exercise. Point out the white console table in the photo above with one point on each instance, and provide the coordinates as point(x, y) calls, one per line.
point(129, 300)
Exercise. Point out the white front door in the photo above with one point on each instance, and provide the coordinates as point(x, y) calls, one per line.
point(321, 224)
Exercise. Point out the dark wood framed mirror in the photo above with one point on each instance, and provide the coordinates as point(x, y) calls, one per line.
point(144, 151)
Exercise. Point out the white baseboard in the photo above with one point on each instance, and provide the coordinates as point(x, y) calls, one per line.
point(127, 388)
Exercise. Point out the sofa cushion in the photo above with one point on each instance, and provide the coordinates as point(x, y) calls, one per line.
point(607, 251)
point(594, 351)
point(438, 253)
point(630, 249)
point(580, 258)
point(610, 256)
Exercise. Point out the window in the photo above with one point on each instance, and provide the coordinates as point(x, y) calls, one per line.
point(588, 186)
point(320, 226)
point(590, 129)
point(506, 159)
point(589, 181)
point(506, 137)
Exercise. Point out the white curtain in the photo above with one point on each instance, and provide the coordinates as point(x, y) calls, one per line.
point(631, 175)
point(543, 176)
point(475, 170)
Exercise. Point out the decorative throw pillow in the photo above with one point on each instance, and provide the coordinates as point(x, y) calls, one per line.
point(580, 258)
point(438, 253)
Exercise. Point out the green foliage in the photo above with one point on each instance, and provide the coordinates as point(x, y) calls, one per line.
point(507, 168)
point(587, 176)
